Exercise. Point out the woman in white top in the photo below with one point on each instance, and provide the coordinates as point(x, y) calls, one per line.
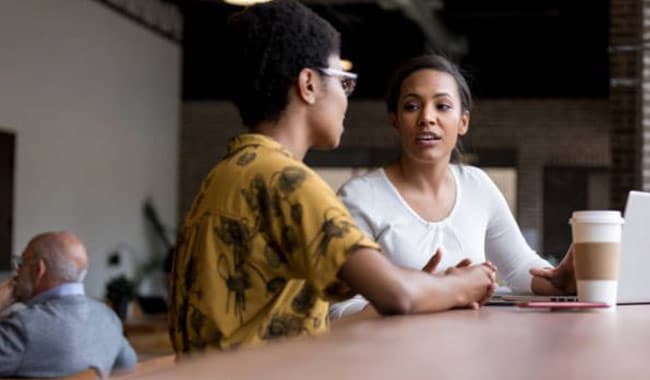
point(423, 204)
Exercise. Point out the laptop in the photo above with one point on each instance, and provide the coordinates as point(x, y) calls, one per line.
point(634, 282)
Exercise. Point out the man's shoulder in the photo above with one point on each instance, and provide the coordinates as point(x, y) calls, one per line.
point(12, 309)
point(80, 301)
point(61, 306)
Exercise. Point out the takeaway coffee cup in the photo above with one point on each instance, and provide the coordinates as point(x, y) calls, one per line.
point(597, 243)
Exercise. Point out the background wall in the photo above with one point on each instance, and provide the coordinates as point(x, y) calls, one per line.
point(94, 100)
point(542, 132)
point(592, 136)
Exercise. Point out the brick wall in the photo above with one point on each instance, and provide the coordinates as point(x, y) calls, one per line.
point(557, 132)
point(544, 132)
point(625, 97)
point(645, 134)
point(610, 133)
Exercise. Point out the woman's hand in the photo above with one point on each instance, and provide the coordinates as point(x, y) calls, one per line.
point(477, 282)
point(558, 280)
point(432, 265)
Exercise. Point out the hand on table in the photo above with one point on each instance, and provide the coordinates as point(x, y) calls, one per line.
point(479, 280)
point(558, 280)
point(432, 265)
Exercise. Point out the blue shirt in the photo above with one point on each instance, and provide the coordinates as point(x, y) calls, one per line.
point(66, 289)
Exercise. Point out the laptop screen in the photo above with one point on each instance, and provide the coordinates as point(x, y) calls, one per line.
point(634, 282)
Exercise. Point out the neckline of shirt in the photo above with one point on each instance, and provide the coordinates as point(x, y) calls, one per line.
point(443, 221)
point(250, 138)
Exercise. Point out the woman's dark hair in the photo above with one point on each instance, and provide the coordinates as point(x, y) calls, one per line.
point(431, 62)
point(268, 45)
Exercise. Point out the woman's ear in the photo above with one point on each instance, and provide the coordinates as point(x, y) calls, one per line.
point(393, 120)
point(464, 123)
point(308, 85)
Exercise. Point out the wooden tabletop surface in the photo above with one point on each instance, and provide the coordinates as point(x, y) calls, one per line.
point(490, 343)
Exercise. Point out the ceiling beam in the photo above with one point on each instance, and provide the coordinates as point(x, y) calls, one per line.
point(423, 13)
point(162, 17)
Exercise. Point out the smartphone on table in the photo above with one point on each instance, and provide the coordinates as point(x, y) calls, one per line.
point(562, 305)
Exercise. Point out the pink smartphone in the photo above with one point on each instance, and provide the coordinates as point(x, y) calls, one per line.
point(563, 305)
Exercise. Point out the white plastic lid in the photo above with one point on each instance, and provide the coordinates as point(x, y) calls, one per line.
point(608, 216)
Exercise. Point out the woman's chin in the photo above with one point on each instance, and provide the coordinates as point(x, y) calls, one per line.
point(332, 142)
point(327, 146)
point(432, 159)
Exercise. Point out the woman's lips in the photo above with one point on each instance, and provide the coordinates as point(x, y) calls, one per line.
point(428, 138)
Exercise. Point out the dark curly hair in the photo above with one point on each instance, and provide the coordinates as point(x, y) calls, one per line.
point(432, 62)
point(268, 45)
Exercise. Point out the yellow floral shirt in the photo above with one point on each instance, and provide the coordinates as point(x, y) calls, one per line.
point(259, 252)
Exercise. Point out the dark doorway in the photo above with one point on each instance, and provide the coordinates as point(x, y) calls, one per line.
point(7, 144)
point(568, 189)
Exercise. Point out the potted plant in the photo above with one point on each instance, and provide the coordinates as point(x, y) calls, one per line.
point(119, 292)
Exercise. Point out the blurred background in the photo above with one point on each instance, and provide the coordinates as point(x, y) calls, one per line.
point(112, 111)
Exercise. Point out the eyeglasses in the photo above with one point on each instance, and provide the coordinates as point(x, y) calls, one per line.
point(348, 80)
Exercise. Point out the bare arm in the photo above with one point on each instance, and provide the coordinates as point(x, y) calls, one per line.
point(395, 290)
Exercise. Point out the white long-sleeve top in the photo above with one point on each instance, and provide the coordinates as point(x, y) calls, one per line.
point(480, 226)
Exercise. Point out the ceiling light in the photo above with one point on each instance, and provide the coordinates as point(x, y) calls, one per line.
point(346, 65)
point(245, 2)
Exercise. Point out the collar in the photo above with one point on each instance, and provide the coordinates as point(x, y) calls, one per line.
point(255, 140)
point(66, 289)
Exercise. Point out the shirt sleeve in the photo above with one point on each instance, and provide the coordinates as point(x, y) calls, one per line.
point(347, 307)
point(13, 341)
point(356, 195)
point(505, 246)
point(353, 194)
point(126, 358)
point(326, 231)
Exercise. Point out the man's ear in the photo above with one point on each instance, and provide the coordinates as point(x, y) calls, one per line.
point(40, 270)
point(464, 123)
point(308, 85)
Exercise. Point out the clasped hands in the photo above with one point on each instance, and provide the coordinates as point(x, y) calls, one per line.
point(479, 281)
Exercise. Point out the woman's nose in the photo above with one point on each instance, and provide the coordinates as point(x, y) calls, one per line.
point(427, 116)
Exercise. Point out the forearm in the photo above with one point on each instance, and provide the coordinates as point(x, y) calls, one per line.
point(13, 341)
point(394, 290)
point(430, 293)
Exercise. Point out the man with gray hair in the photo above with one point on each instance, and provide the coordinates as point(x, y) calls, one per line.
point(60, 331)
